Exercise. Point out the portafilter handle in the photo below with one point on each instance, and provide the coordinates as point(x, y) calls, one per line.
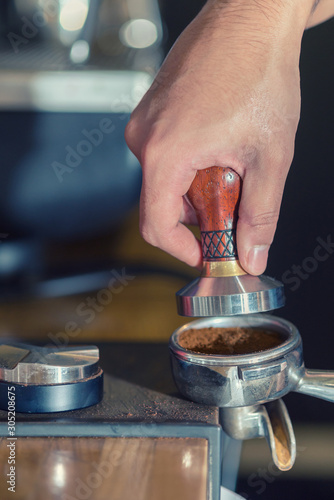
point(317, 383)
point(215, 195)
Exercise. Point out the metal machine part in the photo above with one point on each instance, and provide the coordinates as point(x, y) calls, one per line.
point(50, 379)
point(270, 421)
point(241, 384)
point(224, 288)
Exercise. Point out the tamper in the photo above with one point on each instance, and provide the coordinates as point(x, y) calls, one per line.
point(224, 288)
point(49, 379)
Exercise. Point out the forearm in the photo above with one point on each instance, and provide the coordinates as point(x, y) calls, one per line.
point(296, 12)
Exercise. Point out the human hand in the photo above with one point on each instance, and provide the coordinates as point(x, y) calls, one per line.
point(228, 94)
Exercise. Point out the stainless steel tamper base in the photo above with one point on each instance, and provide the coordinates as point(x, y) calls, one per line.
point(230, 296)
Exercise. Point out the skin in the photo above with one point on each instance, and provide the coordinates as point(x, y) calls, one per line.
point(228, 94)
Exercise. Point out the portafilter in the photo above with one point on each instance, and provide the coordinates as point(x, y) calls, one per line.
point(248, 387)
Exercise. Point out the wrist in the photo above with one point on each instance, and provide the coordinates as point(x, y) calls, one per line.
point(290, 14)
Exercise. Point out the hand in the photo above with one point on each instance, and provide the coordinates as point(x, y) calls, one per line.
point(228, 94)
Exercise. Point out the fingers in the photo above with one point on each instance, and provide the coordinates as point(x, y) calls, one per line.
point(188, 214)
point(163, 208)
point(258, 215)
point(162, 211)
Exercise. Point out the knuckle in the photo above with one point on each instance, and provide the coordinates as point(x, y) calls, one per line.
point(148, 152)
point(148, 234)
point(260, 220)
point(281, 155)
point(130, 132)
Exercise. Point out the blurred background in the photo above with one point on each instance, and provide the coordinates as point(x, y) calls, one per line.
point(71, 71)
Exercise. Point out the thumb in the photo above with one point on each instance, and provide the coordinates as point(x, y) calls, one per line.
point(258, 215)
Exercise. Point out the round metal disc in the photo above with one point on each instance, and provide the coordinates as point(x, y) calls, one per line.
point(49, 379)
point(230, 296)
point(36, 398)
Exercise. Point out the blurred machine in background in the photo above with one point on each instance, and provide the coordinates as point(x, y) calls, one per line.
point(71, 72)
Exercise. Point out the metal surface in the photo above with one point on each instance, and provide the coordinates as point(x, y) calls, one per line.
point(271, 421)
point(27, 364)
point(243, 380)
point(49, 379)
point(230, 296)
point(231, 455)
point(248, 387)
point(218, 269)
point(317, 383)
point(239, 380)
point(34, 398)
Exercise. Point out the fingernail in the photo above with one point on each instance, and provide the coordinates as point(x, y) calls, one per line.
point(257, 259)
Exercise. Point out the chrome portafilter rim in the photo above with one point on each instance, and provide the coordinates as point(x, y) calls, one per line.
point(265, 321)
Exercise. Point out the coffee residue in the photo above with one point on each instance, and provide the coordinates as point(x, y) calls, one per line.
point(281, 444)
point(229, 340)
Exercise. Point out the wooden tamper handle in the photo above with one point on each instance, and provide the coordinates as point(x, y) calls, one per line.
point(215, 195)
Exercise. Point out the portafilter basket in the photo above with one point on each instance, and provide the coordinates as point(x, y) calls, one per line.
point(248, 387)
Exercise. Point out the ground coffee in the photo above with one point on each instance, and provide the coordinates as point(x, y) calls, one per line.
point(229, 340)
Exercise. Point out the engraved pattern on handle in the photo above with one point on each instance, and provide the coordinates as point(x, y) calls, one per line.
point(215, 195)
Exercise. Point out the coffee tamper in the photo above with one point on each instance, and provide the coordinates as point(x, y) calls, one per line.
point(224, 288)
point(49, 379)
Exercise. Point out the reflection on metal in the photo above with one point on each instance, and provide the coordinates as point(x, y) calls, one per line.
point(230, 295)
point(47, 365)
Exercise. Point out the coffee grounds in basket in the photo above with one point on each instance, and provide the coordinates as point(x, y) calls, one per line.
point(229, 340)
